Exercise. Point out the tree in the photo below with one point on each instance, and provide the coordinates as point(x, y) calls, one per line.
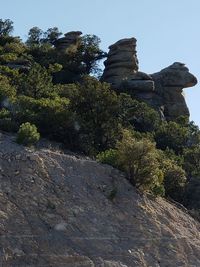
point(6, 90)
point(192, 194)
point(174, 180)
point(34, 36)
point(90, 53)
point(27, 134)
point(51, 35)
point(138, 114)
point(51, 116)
point(192, 161)
point(97, 109)
point(173, 136)
point(37, 83)
point(6, 27)
point(140, 160)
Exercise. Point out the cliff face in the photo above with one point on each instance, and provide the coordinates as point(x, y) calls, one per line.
point(57, 209)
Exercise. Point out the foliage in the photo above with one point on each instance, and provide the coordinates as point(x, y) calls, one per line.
point(192, 161)
point(108, 157)
point(90, 53)
point(138, 114)
point(34, 36)
point(52, 89)
point(140, 160)
point(54, 68)
point(51, 116)
point(16, 47)
point(51, 35)
point(27, 134)
point(37, 83)
point(173, 136)
point(192, 194)
point(6, 90)
point(97, 110)
point(6, 27)
point(174, 179)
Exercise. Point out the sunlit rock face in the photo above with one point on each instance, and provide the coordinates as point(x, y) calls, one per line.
point(122, 63)
point(56, 210)
point(161, 90)
point(169, 85)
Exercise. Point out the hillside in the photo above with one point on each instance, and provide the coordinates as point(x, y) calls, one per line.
point(60, 209)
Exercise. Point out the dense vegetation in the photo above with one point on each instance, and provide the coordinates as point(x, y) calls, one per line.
point(54, 93)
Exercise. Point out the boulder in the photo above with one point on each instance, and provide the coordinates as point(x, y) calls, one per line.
point(169, 84)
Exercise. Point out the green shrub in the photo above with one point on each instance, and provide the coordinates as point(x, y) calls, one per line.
point(140, 161)
point(27, 134)
point(158, 190)
point(174, 180)
point(192, 161)
point(192, 194)
point(138, 114)
point(173, 136)
point(108, 157)
point(52, 117)
point(6, 90)
point(98, 115)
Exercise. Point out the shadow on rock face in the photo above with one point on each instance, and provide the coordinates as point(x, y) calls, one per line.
point(161, 90)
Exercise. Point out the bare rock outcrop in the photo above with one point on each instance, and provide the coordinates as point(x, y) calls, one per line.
point(70, 41)
point(56, 210)
point(162, 90)
point(169, 85)
point(121, 67)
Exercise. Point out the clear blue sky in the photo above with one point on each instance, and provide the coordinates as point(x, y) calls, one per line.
point(167, 31)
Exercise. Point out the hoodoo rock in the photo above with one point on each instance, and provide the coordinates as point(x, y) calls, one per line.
point(70, 40)
point(169, 85)
point(121, 67)
point(162, 90)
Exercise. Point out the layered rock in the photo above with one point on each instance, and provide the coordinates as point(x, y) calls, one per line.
point(70, 40)
point(121, 70)
point(121, 62)
point(169, 85)
point(162, 90)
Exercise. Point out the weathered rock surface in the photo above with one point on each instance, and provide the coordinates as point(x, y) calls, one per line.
point(121, 71)
point(55, 211)
point(169, 85)
point(162, 90)
point(69, 41)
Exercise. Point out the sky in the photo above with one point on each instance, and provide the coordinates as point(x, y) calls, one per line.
point(166, 31)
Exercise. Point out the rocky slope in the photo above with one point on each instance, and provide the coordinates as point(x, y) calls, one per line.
point(57, 210)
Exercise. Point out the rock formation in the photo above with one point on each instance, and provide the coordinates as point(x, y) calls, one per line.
point(169, 85)
point(162, 90)
point(55, 210)
point(70, 41)
point(121, 62)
